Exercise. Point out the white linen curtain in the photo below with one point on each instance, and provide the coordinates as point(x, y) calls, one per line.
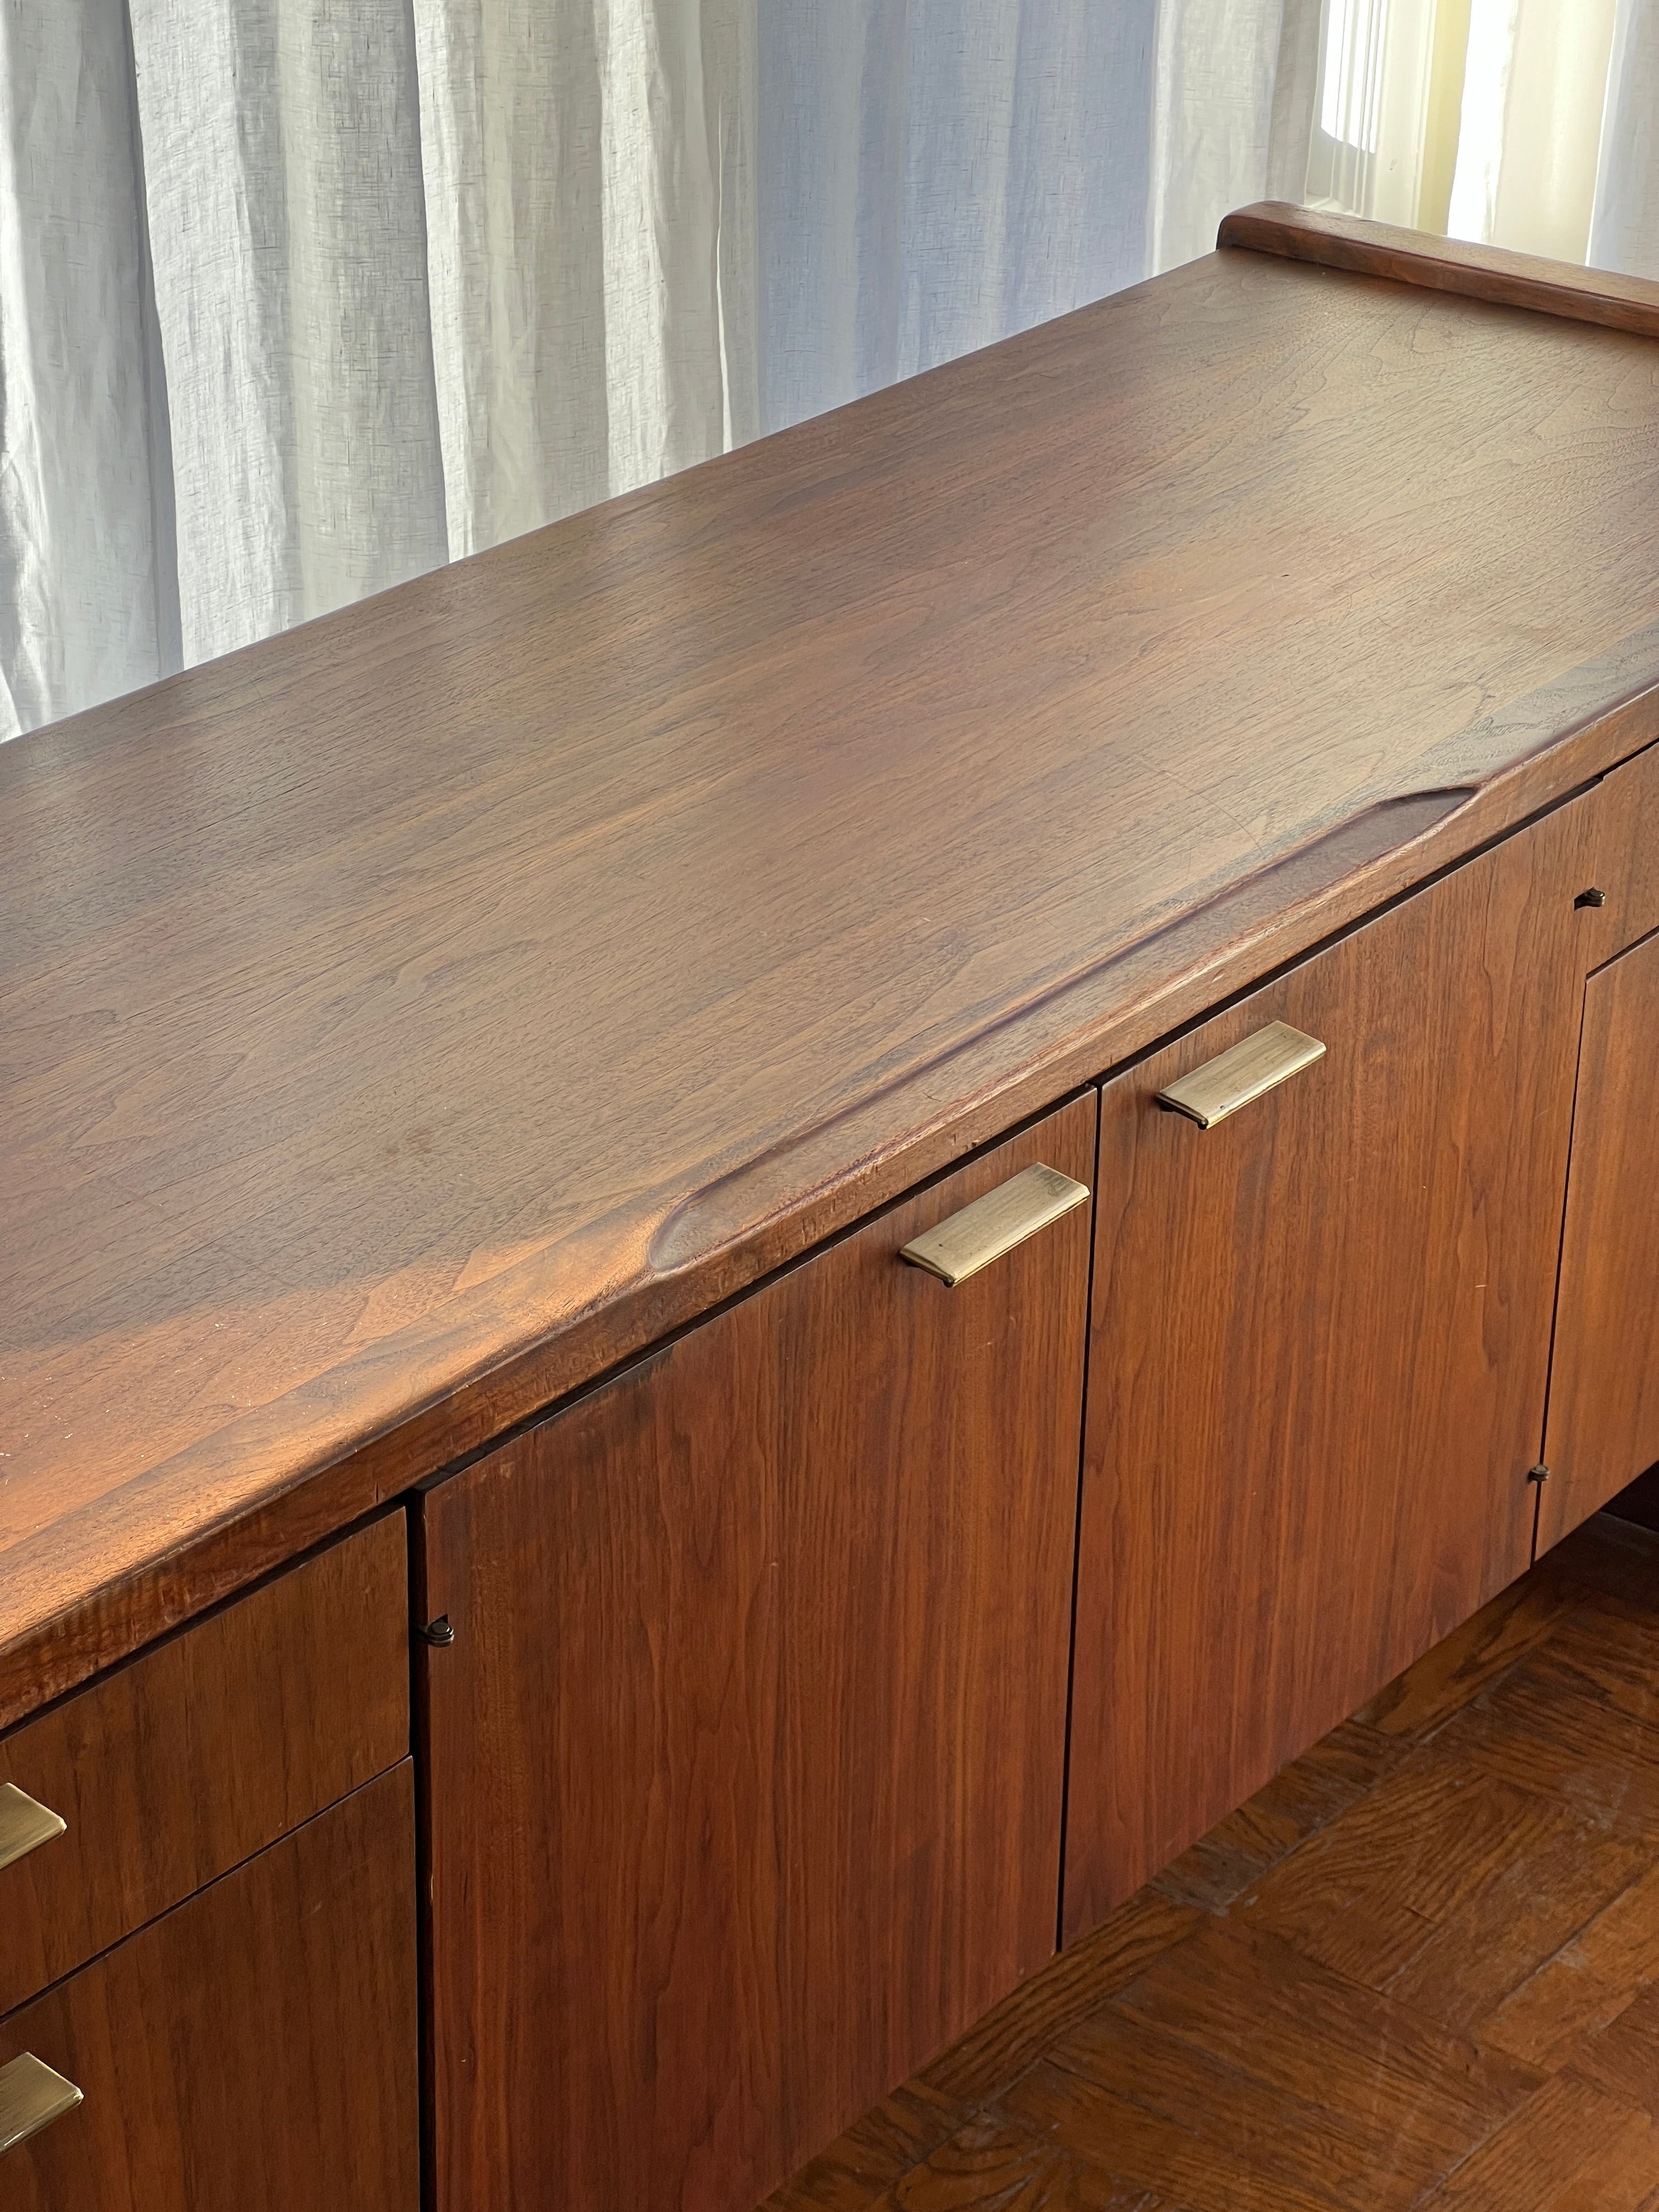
point(1527, 124)
point(1624, 223)
point(300, 297)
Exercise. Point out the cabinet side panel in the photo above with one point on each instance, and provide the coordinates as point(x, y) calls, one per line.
point(1604, 1380)
point(1320, 1341)
point(746, 1760)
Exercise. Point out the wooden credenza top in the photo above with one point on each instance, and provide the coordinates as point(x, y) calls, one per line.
point(408, 1018)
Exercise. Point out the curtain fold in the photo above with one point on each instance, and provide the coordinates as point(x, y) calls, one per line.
point(1624, 225)
point(1535, 82)
point(934, 177)
point(1214, 79)
point(84, 542)
point(282, 177)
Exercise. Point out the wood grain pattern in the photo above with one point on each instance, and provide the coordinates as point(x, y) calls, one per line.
point(746, 1760)
point(1603, 1428)
point(410, 1017)
point(1319, 1353)
point(255, 2049)
point(1285, 2043)
point(1491, 273)
point(174, 1769)
point(1625, 859)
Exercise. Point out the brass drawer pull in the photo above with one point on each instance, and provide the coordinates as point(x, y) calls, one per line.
point(1231, 1080)
point(964, 1243)
point(24, 1826)
point(31, 2098)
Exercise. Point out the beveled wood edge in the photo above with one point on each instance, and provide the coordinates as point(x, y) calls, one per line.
point(525, 1353)
point(1444, 265)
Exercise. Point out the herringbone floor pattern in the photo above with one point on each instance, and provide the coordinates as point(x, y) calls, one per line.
point(1420, 1970)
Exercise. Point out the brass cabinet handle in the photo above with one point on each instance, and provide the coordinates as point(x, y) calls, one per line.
point(964, 1243)
point(1231, 1080)
point(24, 1826)
point(32, 2096)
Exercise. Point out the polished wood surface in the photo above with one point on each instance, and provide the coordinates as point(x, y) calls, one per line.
point(1419, 1969)
point(1603, 1428)
point(252, 2051)
point(1319, 1356)
point(409, 1017)
point(173, 1770)
point(1491, 273)
point(746, 1758)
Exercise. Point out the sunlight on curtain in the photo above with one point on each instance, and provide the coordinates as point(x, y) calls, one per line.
point(1372, 148)
point(1535, 83)
point(1484, 118)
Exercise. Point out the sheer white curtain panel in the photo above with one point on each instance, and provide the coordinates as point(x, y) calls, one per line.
point(85, 545)
point(1625, 224)
point(299, 298)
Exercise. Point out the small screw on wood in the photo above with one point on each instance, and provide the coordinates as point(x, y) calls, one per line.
point(1591, 898)
point(437, 1631)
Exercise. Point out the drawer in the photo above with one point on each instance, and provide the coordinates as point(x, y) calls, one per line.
point(178, 1766)
point(255, 2048)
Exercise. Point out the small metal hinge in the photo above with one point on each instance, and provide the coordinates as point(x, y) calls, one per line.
point(1539, 1474)
point(437, 1631)
point(1591, 898)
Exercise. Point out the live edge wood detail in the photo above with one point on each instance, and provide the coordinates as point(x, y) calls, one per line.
point(1320, 1343)
point(173, 1770)
point(1604, 1380)
point(255, 2051)
point(746, 1758)
point(410, 1017)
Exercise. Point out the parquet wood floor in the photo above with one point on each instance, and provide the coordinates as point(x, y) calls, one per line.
point(1420, 1970)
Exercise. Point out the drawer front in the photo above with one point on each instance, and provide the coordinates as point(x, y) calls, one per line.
point(171, 1771)
point(255, 2049)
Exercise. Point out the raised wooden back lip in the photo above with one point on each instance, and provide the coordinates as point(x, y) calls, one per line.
point(1492, 273)
point(255, 1487)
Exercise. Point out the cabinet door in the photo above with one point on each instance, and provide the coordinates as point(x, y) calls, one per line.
point(1603, 1427)
point(746, 1758)
point(253, 2050)
point(1318, 1357)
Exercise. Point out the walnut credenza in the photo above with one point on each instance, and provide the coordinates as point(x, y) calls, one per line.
point(746, 1247)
